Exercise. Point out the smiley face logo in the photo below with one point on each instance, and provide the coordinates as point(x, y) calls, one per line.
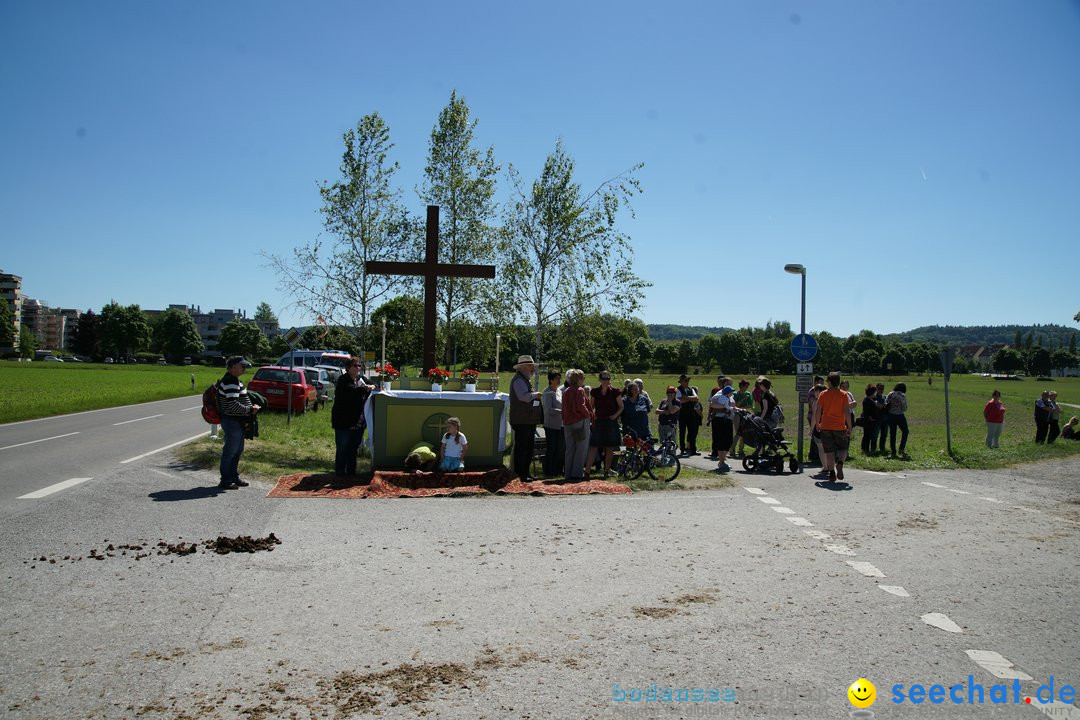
point(862, 693)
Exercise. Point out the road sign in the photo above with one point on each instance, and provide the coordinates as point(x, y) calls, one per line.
point(804, 347)
point(369, 355)
point(804, 368)
point(947, 356)
point(803, 384)
point(292, 337)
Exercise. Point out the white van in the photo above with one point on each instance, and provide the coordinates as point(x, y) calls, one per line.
point(307, 358)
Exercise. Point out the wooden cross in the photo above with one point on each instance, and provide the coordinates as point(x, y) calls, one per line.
point(431, 269)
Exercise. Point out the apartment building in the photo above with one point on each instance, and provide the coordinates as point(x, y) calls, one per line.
point(11, 292)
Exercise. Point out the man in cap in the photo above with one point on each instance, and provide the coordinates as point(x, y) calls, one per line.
point(525, 415)
point(236, 409)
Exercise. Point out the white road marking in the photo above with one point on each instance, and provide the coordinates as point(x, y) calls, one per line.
point(148, 417)
point(160, 449)
point(942, 622)
point(53, 489)
point(840, 550)
point(997, 665)
point(902, 475)
point(784, 510)
point(933, 485)
point(958, 492)
point(990, 499)
point(1021, 507)
point(756, 491)
point(874, 472)
point(769, 500)
point(31, 442)
point(800, 521)
point(895, 590)
point(191, 408)
point(818, 535)
point(865, 568)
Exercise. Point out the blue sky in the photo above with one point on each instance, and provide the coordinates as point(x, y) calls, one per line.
point(921, 159)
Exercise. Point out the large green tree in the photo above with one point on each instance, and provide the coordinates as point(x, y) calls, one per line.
point(85, 340)
point(404, 330)
point(263, 313)
point(124, 329)
point(1037, 360)
point(460, 178)
point(7, 325)
point(240, 337)
point(176, 336)
point(363, 221)
point(1007, 360)
point(28, 343)
point(1063, 360)
point(564, 251)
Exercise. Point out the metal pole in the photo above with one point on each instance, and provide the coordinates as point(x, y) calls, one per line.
point(802, 397)
point(292, 365)
point(948, 427)
point(384, 342)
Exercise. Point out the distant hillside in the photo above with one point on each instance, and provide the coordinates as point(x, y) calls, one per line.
point(957, 335)
point(1052, 335)
point(682, 332)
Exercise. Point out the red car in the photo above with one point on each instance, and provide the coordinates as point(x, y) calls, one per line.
point(273, 383)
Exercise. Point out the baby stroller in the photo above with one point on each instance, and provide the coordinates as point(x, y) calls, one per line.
point(770, 447)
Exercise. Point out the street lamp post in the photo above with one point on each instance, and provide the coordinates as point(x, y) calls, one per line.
point(797, 269)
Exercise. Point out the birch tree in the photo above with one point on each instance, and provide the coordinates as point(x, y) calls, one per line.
point(362, 220)
point(564, 253)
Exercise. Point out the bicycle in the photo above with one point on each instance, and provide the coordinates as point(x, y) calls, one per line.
point(661, 462)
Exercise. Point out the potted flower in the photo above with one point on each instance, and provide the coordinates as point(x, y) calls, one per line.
point(437, 376)
point(470, 376)
point(388, 373)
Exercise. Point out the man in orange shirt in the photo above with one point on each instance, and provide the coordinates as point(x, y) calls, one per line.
point(832, 419)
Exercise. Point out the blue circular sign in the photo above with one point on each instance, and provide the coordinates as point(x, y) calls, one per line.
point(804, 347)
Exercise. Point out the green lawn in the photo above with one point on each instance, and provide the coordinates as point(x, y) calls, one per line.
point(39, 389)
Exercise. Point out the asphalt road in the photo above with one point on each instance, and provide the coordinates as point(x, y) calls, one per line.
point(38, 454)
point(544, 607)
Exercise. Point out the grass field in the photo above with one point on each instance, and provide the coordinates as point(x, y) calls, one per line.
point(40, 389)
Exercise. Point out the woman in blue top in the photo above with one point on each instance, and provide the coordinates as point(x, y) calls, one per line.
point(635, 414)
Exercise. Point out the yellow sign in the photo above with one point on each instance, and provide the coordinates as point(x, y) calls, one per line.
point(369, 355)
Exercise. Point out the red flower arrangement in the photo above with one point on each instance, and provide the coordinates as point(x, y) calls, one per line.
point(388, 372)
point(437, 375)
point(470, 376)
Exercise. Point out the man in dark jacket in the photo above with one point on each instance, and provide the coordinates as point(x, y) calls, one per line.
point(236, 410)
point(347, 417)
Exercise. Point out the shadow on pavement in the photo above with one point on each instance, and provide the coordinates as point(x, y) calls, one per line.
point(835, 486)
point(197, 493)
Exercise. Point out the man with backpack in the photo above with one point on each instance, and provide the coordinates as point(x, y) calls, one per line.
point(236, 411)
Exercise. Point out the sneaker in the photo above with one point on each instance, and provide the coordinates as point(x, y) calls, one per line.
point(832, 476)
point(227, 485)
point(240, 483)
point(840, 471)
point(723, 467)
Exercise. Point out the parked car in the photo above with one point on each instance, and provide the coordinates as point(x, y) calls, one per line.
point(272, 382)
point(51, 358)
point(332, 371)
point(309, 358)
point(108, 360)
point(324, 388)
point(70, 358)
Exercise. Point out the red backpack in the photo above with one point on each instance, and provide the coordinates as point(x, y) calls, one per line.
point(210, 411)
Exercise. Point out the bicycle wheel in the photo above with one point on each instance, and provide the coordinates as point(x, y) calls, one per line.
point(664, 466)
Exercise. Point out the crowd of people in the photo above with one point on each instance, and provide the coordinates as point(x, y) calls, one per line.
point(584, 426)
